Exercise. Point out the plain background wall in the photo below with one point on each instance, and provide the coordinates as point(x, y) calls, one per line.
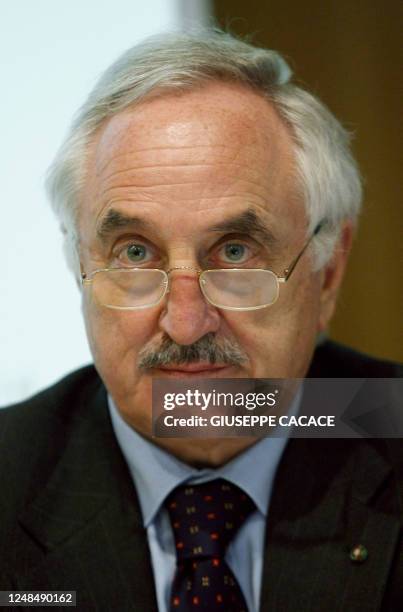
point(52, 53)
point(347, 52)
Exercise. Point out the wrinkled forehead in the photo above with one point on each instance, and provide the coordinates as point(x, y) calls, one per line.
point(220, 116)
point(220, 139)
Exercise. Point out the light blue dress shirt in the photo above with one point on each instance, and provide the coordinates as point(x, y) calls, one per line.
point(156, 473)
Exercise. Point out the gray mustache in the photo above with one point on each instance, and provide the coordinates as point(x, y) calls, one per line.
point(207, 349)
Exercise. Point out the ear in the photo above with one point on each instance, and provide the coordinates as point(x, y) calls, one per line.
point(332, 275)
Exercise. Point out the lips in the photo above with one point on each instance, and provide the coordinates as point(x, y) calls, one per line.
point(193, 369)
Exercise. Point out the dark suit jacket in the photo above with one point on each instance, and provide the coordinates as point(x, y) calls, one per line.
point(70, 516)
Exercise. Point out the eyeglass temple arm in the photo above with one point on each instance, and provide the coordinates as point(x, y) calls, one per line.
point(288, 271)
point(84, 277)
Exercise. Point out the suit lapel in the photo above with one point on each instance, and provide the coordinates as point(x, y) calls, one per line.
point(321, 509)
point(88, 522)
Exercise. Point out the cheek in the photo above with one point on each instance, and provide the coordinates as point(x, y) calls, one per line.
point(280, 340)
point(115, 339)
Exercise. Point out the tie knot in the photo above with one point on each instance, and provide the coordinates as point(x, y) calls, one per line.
point(206, 517)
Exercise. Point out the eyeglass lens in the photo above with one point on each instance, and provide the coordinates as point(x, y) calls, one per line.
point(126, 288)
point(237, 289)
point(240, 288)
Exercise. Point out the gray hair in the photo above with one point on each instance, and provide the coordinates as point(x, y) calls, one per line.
point(326, 171)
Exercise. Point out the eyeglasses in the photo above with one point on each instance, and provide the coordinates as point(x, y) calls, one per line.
point(227, 288)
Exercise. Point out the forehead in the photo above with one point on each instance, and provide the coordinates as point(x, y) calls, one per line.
point(213, 112)
point(219, 143)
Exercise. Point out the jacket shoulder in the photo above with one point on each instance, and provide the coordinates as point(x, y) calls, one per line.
point(34, 433)
point(333, 360)
point(61, 394)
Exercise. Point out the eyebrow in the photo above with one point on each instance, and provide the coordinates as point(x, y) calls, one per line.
point(115, 220)
point(246, 223)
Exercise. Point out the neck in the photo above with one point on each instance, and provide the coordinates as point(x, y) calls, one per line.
point(201, 453)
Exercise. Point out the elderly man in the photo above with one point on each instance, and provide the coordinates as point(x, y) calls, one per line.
point(208, 207)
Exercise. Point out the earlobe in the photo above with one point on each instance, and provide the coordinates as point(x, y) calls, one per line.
point(332, 275)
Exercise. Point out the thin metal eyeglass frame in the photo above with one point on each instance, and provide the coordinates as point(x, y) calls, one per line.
point(88, 278)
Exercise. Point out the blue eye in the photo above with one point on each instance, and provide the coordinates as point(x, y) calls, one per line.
point(136, 252)
point(235, 252)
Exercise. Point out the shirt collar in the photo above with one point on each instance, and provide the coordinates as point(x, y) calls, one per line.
point(156, 472)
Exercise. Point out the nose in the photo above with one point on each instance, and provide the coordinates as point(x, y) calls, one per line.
point(187, 316)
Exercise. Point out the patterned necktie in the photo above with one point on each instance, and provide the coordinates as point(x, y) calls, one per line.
point(204, 519)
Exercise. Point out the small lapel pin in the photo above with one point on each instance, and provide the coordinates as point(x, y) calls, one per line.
point(359, 554)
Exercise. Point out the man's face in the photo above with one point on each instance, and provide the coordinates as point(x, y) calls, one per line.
point(181, 174)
